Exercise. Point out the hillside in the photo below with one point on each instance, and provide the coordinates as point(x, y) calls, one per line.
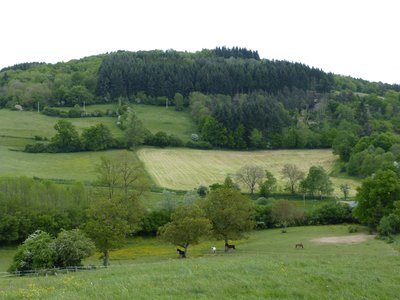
point(264, 266)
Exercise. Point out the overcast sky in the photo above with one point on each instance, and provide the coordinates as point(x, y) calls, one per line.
point(360, 38)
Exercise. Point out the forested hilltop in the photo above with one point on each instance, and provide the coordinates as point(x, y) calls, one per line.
point(236, 99)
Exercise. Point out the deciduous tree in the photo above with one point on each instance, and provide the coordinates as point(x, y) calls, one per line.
point(66, 138)
point(286, 212)
point(269, 185)
point(231, 213)
point(107, 225)
point(317, 181)
point(250, 175)
point(376, 197)
point(97, 138)
point(188, 224)
point(293, 174)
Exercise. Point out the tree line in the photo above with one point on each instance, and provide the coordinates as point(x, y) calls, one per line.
point(164, 73)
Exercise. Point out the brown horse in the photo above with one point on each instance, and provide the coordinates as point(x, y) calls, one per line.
point(299, 245)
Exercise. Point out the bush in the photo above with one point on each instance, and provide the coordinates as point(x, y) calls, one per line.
point(37, 252)
point(262, 201)
point(199, 145)
point(36, 148)
point(202, 191)
point(49, 111)
point(71, 247)
point(40, 251)
point(174, 141)
point(263, 217)
point(389, 225)
point(154, 220)
point(353, 228)
point(331, 213)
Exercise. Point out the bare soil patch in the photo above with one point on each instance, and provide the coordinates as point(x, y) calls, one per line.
point(348, 239)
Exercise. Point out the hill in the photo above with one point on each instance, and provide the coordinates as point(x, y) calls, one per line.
point(265, 266)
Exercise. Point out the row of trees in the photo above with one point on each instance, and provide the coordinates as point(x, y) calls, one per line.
point(67, 139)
point(316, 182)
point(29, 204)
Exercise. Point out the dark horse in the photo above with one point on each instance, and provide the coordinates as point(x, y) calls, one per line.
point(299, 245)
point(182, 253)
point(227, 247)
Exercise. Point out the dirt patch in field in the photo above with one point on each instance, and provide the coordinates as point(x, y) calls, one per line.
point(348, 239)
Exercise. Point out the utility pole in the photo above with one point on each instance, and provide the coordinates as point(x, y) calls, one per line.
point(38, 107)
point(166, 102)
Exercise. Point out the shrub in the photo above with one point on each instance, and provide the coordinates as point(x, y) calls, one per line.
point(71, 247)
point(37, 252)
point(263, 217)
point(262, 201)
point(194, 137)
point(389, 225)
point(202, 190)
point(331, 213)
point(154, 220)
point(353, 228)
point(174, 141)
point(199, 145)
point(36, 148)
point(49, 111)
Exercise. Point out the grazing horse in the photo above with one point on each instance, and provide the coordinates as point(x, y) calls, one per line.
point(213, 249)
point(182, 253)
point(227, 247)
point(299, 245)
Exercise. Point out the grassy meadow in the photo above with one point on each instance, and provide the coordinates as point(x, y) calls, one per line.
point(65, 166)
point(18, 128)
point(157, 118)
point(266, 266)
point(182, 168)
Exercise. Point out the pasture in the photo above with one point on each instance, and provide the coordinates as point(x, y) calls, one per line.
point(157, 118)
point(78, 166)
point(18, 128)
point(185, 169)
point(266, 266)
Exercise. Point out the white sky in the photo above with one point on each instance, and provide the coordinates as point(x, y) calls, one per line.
point(348, 37)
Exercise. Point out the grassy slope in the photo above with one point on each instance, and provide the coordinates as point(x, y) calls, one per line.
point(158, 118)
point(187, 169)
point(66, 166)
point(264, 267)
point(19, 128)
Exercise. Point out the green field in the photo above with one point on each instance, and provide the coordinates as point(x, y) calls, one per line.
point(66, 166)
point(157, 118)
point(266, 266)
point(185, 169)
point(18, 128)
